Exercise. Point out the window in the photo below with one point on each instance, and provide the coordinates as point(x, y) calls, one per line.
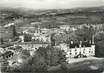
point(89, 50)
point(75, 51)
point(70, 53)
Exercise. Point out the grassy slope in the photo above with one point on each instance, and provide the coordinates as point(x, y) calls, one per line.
point(88, 65)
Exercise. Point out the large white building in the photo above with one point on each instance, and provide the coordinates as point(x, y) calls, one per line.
point(78, 51)
point(81, 52)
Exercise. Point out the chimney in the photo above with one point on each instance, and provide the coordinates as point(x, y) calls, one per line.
point(93, 40)
point(80, 44)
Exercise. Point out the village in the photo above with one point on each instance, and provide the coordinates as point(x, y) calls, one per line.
point(63, 44)
point(51, 36)
point(31, 40)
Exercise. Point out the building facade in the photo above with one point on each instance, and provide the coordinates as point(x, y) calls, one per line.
point(81, 52)
point(31, 45)
point(78, 50)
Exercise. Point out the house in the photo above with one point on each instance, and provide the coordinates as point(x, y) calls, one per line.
point(35, 41)
point(81, 52)
point(7, 54)
point(56, 30)
point(77, 50)
point(42, 38)
point(44, 30)
point(2, 50)
point(31, 45)
point(8, 25)
point(15, 49)
point(21, 37)
point(37, 34)
point(64, 27)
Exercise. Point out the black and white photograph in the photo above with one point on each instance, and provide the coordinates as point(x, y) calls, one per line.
point(51, 36)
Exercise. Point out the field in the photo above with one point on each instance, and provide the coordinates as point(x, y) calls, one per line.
point(52, 18)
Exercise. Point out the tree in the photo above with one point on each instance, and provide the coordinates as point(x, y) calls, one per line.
point(14, 33)
point(27, 37)
point(85, 33)
point(43, 59)
point(60, 38)
point(99, 36)
point(99, 42)
point(1, 41)
point(53, 56)
point(99, 49)
point(39, 63)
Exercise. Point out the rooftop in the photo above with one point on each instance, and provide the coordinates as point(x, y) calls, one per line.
point(32, 43)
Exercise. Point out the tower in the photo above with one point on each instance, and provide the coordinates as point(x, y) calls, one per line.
point(93, 40)
point(13, 29)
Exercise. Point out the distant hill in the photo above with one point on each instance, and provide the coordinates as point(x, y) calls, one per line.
point(52, 18)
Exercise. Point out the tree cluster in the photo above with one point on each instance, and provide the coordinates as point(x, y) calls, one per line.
point(43, 59)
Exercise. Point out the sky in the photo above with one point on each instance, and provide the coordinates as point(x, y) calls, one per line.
point(50, 4)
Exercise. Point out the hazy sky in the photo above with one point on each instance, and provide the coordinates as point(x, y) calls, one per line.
point(50, 4)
